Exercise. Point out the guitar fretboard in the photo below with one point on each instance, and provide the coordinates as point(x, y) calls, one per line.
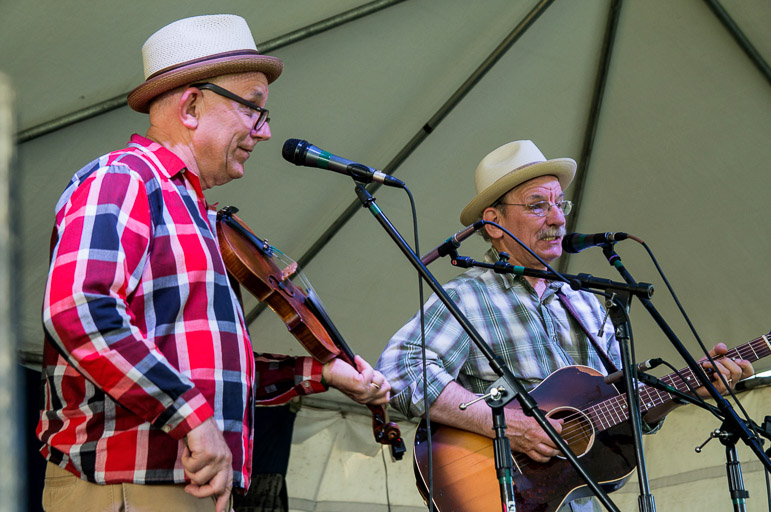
point(613, 411)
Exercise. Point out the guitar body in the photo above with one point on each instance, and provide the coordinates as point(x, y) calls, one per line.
point(594, 425)
point(464, 464)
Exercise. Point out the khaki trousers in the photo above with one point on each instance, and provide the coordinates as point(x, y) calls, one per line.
point(65, 492)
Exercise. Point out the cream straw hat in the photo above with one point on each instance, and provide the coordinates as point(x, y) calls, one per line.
point(193, 49)
point(508, 166)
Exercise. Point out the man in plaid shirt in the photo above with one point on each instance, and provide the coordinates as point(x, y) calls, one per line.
point(526, 321)
point(149, 375)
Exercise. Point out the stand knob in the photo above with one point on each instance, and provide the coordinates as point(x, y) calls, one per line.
point(712, 435)
point(494, 394)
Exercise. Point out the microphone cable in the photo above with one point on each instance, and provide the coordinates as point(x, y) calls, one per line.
point(559, 276)
point(696, 334)
point(424, 361)
point(747, 420)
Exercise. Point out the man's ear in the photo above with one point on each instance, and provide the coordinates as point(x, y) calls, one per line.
point(189, 108)
point(491, 214)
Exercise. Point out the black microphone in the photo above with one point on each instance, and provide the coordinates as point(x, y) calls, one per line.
point(576, 242)
point(302, 152)
point(451, 243)
point(641, 367)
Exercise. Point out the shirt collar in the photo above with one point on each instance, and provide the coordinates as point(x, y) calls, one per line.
point(169, 163)
point(509, 280)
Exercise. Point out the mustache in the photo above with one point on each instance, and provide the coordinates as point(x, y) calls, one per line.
point(551, 232)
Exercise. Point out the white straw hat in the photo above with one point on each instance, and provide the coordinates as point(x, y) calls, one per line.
point(508, 166)
point(197, 48)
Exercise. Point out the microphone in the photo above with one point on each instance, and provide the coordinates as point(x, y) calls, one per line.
point(641, 367)
point(576, 242)
point(302, 152)
point(451, 243)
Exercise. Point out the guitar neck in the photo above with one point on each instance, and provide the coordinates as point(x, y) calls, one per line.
point(614, 411)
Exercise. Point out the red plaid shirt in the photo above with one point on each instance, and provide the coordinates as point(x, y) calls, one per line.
point(145, 338)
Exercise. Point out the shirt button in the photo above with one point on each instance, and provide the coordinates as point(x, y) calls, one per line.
point(306, 384)
point(166, 428)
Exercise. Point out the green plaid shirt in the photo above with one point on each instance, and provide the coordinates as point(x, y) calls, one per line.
point(534, 337)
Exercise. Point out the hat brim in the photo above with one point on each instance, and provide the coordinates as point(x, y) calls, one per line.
point(166, 80)
point(564, 169)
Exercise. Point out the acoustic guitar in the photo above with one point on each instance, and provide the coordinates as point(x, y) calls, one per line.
point(595, 427)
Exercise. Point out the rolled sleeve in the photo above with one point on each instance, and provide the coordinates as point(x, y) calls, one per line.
point(447, 349)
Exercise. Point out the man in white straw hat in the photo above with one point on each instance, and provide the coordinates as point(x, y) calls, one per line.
point(149, 374)
point(535, 326)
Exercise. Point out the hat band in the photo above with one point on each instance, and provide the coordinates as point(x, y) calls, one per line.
point(234, 53)
point(526, 165)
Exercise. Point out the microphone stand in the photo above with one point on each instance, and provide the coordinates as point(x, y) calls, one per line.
point(733, 428)
point(620, 319)
point(726, 436)
point(617, 311)
point(502, 391)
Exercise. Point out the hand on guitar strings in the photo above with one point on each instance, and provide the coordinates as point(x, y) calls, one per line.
point(528, 437)
point(733, 370)
point(362, 384)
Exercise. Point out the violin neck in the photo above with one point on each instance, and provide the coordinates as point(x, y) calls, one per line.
point(314, 304)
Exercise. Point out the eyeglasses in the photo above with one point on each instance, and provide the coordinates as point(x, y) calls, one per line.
point(238, 99)
point(542, 208)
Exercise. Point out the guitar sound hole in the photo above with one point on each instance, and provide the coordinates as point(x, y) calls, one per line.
point(577, 429)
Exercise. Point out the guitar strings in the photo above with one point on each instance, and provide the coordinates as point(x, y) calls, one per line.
point(575, 425)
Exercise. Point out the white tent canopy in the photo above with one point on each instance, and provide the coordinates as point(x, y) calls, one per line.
point(671, 136)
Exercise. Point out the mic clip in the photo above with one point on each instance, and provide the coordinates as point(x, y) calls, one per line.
point(461, 261)
point(646, 365)
point(502, 266)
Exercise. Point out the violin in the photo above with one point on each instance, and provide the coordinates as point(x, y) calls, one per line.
point(252, 262)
